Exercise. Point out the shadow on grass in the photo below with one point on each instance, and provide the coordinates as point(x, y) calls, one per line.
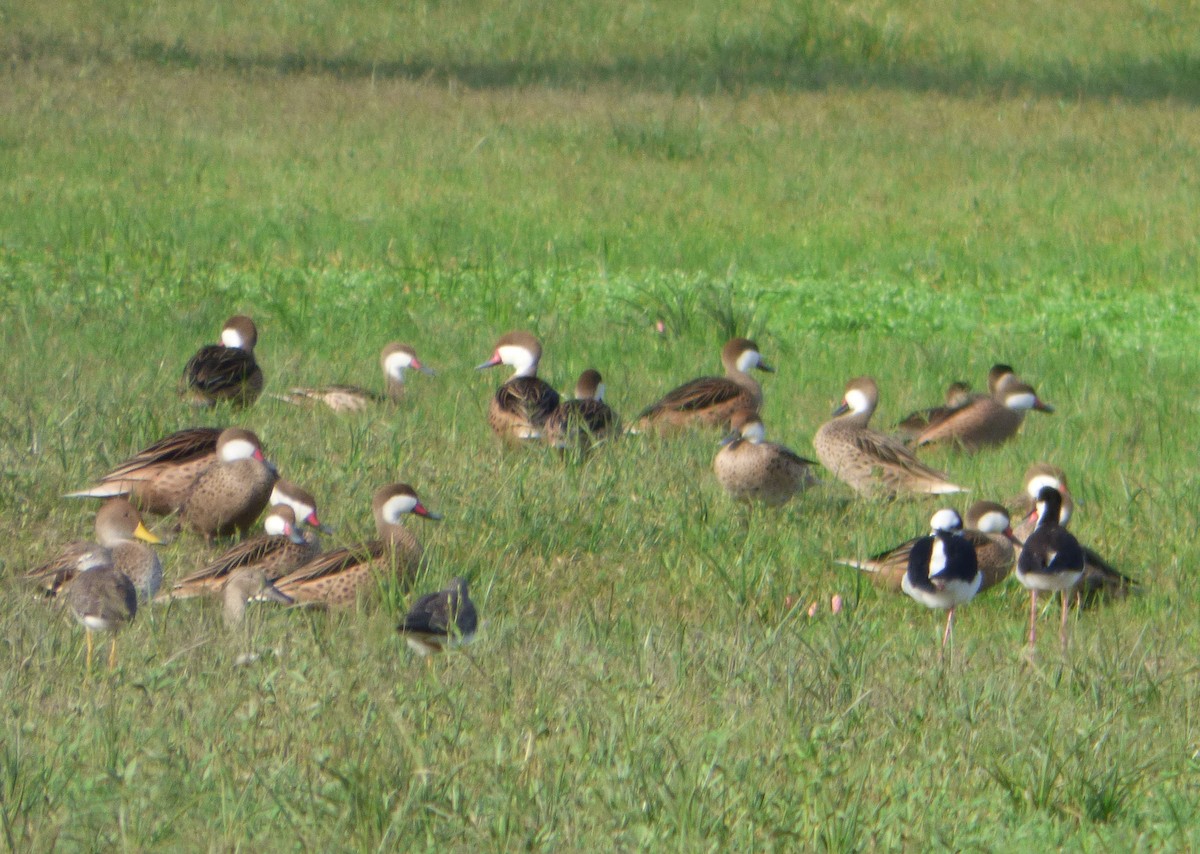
point(799, 62)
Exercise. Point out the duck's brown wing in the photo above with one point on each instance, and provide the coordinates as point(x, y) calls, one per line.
point(917, 422)
point(53, 576)
point(246, 553)
point(219, 371)
point(594, 416)
point(179, 447)
point(333, 562)
point(530, 397)
point(792, 457)
point(891, 452)
point(700, 393)
point(339, 398)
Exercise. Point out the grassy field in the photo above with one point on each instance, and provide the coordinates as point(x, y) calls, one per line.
point(867, 188)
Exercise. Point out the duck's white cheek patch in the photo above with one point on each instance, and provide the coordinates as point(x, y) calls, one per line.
point(275, 526)
point(754, 432)
point(396, 363)
point(600, 392)
point(1042, 480)
point(856, 400)
point(993, 523)
point(748, 360)
point(231, 338)
point(517, 357)
point(397, 506)
point(1020, 402)
point(238, 449)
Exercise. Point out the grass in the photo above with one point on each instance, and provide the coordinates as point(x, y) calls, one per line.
point(863, 189)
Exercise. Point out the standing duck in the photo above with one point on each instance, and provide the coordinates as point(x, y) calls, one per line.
point(231, 493)
point(158, 477)
point(751, 469)
point(395, 359)
point(586, 419)
point(710, 401)
point(337, 578)
point(872, 463)
point(226, 371)
point(522, 405)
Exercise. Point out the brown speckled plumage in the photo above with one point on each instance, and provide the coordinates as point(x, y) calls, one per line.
point(872, 463)
point(230, 494)
point(394, 360)
point(274, 555)
point(753, 470)
point(710, 401)
point(157, 478)
point(986, 420)
point(339, 577)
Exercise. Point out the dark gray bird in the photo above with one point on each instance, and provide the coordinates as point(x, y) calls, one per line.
point(441, 620)
point(102, 598)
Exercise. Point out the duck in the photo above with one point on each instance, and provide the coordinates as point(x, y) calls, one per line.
point(118, 528)
point(274, 553)
point(710, 401)
point(751, 469)
point(232, 492)
point(987, 528)
point(1101, 580)
point(441, 620)
point(586, 419)
point(303, 505)
point(395, 360)
point(521, 406)
point(958, 394)
point(226, 371)
point(157, 478)
point(942, 569)
point(246, 584)
point(1051, 560)
point(337, 578)
point(986, 420)
point(101, 598)
point(872, 463)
